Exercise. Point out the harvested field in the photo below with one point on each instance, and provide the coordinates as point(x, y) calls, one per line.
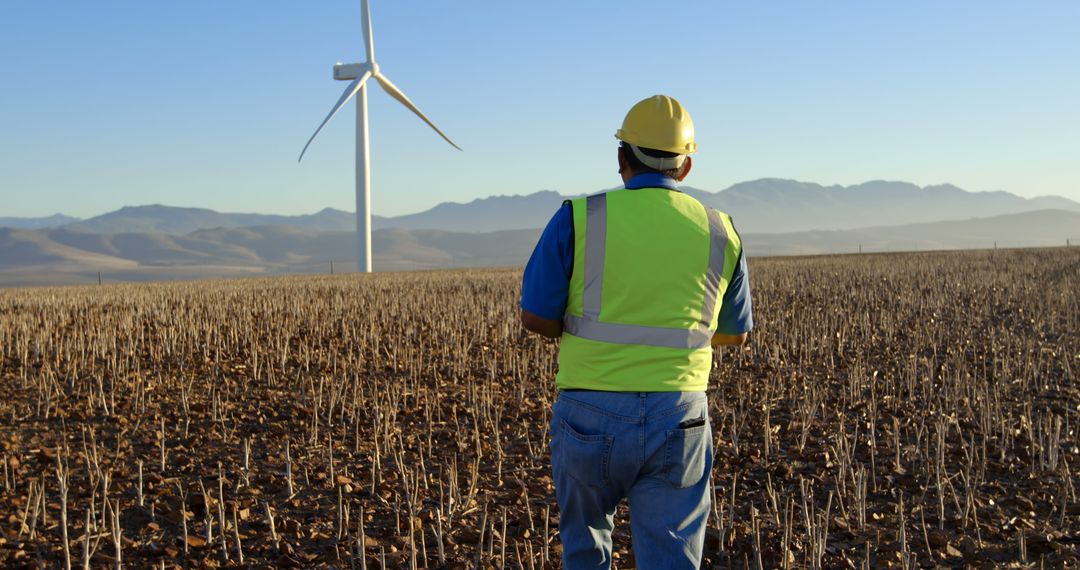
point(902, 410)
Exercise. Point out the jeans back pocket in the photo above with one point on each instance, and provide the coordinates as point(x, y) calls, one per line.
point(686, 455)
point(585, 457)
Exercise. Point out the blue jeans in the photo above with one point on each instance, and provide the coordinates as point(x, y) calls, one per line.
point(654, 449)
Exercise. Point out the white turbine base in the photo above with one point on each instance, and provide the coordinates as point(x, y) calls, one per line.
point(363, 185)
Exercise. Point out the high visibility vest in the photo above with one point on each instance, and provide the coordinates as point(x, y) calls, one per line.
point(651, 266)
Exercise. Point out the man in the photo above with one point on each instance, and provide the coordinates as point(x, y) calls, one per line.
point(639, 284)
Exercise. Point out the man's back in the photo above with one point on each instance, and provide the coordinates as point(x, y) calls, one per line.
point(650, 266)
point(639, 284)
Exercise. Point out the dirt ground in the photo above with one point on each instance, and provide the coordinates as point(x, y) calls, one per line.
point(899, 410)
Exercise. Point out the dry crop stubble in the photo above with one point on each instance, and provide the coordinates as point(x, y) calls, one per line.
point(891, 410)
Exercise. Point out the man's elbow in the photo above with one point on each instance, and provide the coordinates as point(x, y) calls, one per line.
point(721, 339)
point(549, 328)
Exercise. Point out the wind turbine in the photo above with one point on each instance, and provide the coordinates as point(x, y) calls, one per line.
point(359, 73)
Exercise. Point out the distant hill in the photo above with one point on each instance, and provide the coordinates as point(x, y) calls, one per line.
point(1027, 229)
point(484, 215)
point(774, 205)
point(64, 256)
point(768, 205)
point(52, 221)
point(179, 221)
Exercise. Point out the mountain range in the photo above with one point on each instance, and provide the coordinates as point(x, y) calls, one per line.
point(774, 217)
point(767, 205)
point(62, 256)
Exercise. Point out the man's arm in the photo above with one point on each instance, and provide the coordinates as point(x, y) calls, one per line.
point(721, 339)
point(736, 311)
point(539, 325)
point(546, 281)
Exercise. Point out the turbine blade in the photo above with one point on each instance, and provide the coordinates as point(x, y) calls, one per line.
point(397, 94)
point(350, 91)
point(369, 40)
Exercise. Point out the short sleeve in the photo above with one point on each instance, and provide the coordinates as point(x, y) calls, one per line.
point(736, 312)
point(545, 285)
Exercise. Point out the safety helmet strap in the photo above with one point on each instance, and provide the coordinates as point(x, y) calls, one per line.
point(656, 162)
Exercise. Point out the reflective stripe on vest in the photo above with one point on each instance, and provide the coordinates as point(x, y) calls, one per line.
point(589, 326)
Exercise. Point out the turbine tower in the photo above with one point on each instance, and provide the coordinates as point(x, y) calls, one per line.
point(358, 74)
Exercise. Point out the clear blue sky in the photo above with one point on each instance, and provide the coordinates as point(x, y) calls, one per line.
point(208, 103)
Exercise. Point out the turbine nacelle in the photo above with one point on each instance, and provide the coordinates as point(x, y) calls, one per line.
point(349, 71)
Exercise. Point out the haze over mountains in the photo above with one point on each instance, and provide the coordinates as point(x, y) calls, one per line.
point(52, 221)
point(775, 217)
point(767, 205)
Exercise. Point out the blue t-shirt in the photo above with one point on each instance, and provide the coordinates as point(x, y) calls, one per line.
point(546, 284)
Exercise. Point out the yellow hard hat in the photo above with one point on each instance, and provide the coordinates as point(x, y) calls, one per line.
point(659, 122)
